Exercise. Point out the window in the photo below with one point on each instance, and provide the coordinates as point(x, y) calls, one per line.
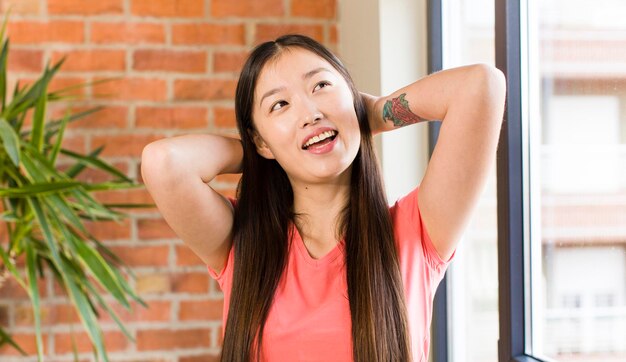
point(561, 180)
point(576, 122)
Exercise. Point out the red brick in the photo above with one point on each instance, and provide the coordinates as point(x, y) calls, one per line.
point(58, 289)
point(333, 34)
point(27, 341)
point(168, 60)
point(127, 33)
point(69, 86)
point(63, 343)
point(20, 6)
point(171, 117)
point(109, 230)
point(224, 117)
point(23, 315)
point(154, 229)
point(60, 83)
point(326, 9)
point(123, 145)
point(107, 117)
point(61, 290)
point(168, 8)
point(50, 315)
point(208, 34)
point(131, 196)
point(74, 143)
point(25, 60)
point(190, 283)
point(132, 89)
point(37, 32)
point(11, 288)
point(64, 314)
point(142, 255)
point(91, 60)
point(148, 359)
point(4, 316)
point(93, 175)
point(220, 339)
point(201, 358)
point(229, 61)
point(157, 311)
point(153, 284)
point(78, 7)
point(186, 257)
point(266, 32)
point(247, 8)
point(165, 339)
point(204, 89)
point(73, 86)
point(198, 310)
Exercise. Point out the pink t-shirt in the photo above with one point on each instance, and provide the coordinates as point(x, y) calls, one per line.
point(310, 317)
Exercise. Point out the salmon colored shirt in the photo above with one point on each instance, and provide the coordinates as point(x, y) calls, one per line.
point(310, 317)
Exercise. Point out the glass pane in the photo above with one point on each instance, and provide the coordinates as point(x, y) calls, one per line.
point(468, 31)
point(577, 123)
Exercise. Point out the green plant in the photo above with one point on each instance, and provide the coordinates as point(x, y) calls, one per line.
point(44, 208)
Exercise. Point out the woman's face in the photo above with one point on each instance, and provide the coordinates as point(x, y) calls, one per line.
point(304, 116)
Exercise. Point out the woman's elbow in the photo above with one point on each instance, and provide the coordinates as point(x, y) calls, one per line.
point(489, 89)
point(491, 80)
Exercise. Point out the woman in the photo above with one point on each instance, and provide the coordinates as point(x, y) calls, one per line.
point(313, 263)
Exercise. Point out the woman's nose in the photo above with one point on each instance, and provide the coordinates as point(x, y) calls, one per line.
point(310, 113)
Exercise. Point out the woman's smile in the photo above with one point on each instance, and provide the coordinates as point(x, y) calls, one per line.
point(323, 146)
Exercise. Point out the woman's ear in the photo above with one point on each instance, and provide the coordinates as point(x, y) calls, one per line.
point(261, 147)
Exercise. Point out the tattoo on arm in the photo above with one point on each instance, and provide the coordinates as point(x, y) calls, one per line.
point(397, 110)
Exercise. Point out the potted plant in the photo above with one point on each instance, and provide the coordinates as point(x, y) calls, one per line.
point(44, 208)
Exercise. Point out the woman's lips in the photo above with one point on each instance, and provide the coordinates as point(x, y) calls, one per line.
point(323, 148)
point(318, 132)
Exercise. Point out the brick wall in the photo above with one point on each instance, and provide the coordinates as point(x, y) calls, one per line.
point(177, 62)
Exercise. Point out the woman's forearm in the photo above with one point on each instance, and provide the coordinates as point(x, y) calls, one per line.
point(432, 97)
point(204, 155)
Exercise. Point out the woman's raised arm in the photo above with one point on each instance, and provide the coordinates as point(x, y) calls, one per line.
point(470, 102)
point(176, 172)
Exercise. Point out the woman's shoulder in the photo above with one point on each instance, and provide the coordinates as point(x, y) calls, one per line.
point(411, 234)
point(406, 203)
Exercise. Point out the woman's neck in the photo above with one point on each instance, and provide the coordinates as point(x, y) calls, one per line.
point(318, 209)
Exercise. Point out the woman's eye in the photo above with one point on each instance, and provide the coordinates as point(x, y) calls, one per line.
point(321, 85)
point(278, 105)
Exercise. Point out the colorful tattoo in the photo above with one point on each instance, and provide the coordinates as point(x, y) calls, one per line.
point(397, 110)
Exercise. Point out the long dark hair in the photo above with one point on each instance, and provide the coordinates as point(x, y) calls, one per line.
point(262, 217)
